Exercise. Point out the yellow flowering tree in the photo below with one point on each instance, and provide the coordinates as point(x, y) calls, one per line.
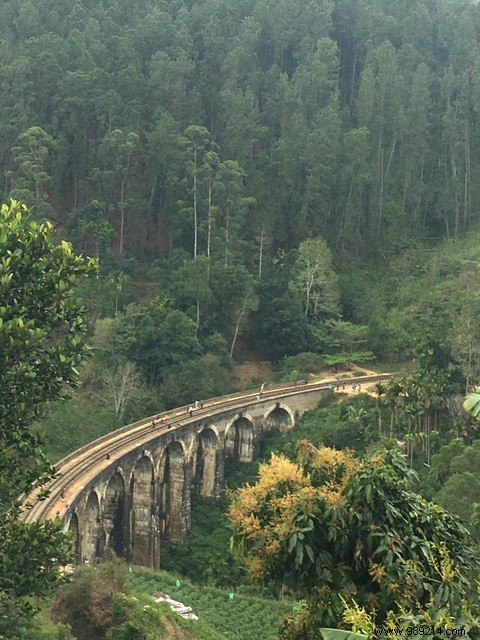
point(348, 535)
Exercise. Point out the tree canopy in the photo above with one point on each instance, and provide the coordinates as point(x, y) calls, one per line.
point(42, 343)
point(349, 534)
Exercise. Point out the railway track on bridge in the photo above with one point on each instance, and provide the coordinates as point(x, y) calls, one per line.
point(84, 464)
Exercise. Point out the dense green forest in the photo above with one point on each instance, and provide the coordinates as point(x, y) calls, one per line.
point(255, 177)
point(356, 121)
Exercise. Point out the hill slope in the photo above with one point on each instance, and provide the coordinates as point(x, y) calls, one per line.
point(241, 618)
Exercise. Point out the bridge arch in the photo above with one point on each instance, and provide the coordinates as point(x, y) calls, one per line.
point(172, 491)
point(206, 468)
point(239, 438)
point(93, 535)
point(115, 514)
point(142, 530)
point(279, 417)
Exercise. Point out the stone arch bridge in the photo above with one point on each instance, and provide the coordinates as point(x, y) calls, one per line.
point(130, 489)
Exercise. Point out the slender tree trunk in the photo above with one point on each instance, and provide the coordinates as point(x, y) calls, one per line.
point(260, 256)
point(352, 85)
point(379, 189)
point(383, 179)
point(379, 411)
point(466, 181)
point(309, 290)
point(197, 324)
point(454, 173)
point(419, 198)
point(227, 225)
point(344, 219)
point(195, 212)
point(410, 441)
point(209, 226)
point(405, 189)
point(237, 325)
point(429, 430)
point(122, 215)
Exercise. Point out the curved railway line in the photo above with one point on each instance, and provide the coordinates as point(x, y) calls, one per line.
point(84, 464)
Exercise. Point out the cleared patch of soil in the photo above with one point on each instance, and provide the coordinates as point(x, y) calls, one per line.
point(243, 374)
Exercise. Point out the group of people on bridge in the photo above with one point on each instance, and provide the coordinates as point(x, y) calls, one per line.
point(337, 386)
point(161, 419)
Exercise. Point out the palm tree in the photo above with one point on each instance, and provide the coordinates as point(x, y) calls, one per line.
point(472, 405)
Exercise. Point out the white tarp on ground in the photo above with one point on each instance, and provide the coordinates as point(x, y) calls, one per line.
point(175, 606)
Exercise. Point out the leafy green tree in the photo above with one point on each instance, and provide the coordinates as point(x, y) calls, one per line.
point(99, 603)
point(472, 404)
point(233, 204)
point(440, 468)
point(197, 379)
point(281, 327)
point(303, 364)
point(156, 337)
point(233, 289)
point(90, 225)
point(198, 141)
point(190, 285)
point(163, 156)
point(122, 383)
point(381, 110)
point(355, 174)
point(41, 342)
point(210, 170)
point(343, 532)
point(117, 151)
point(205, 550)
point(30, 180)
point(314, 279)
point(459, 494)
point(349, 339)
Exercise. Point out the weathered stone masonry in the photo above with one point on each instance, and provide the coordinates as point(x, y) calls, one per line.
point(143, 497)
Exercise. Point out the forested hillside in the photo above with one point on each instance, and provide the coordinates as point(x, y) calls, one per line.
point(266, 121)
point(242, 169)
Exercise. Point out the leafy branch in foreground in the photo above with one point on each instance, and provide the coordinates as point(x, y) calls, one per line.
point(343, 532)
point(41, 345)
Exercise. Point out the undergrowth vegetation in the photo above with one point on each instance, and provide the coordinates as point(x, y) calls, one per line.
point(243, 617)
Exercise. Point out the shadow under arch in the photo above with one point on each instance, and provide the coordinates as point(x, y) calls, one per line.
point(239, 439)
point(93, 536)
point(172, 492)
point(207, 462)
point(142, 530)
point(115, 517)
point(279, 417)
point(74, 529)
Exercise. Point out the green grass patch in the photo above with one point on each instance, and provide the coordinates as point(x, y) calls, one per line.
point(241, 618)
point(393, 367)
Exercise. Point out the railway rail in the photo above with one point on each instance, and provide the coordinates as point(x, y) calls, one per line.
point(84, 464)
